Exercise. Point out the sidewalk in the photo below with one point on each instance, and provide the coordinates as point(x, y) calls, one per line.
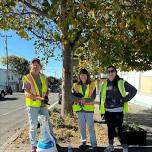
point(142, 100)
point(139, 114)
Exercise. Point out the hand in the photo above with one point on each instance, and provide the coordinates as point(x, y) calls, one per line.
point(101, 80)
point(82, 101)
point(45, 101)
point(39, 98)
point(33, 97)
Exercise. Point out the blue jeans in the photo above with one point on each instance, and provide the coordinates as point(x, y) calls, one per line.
point(33, 113)
point(83, 119)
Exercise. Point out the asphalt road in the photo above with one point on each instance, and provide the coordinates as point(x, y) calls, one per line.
point(13, 114)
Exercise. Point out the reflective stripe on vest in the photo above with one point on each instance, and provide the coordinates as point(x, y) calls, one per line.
point(34, 90)
point(103, 96)
point(122, 90)
point(89, 91)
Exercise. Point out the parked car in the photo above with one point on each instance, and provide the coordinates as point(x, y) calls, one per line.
point(2, 91)
point(9, 90)
point(54, 88)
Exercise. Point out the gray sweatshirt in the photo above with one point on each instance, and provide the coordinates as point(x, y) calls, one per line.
point(114, 98)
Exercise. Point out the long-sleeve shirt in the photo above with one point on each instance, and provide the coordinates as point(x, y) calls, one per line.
point(114, 98)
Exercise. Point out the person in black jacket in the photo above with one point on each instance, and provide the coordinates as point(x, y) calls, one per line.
point(114, 104)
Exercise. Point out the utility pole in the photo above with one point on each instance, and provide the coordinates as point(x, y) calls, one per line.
point(6, 49)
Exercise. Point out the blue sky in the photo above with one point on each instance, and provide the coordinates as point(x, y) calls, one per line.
point(23, 48)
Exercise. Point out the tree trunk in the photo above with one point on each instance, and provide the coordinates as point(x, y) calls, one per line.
point(67, 79)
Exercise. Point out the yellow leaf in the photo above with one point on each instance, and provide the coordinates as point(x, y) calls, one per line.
point(33, 16)
point(91, 14)
point(22, 34)
point(82, 6)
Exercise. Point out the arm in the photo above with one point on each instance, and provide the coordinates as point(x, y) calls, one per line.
point(131, 91)
point(74, 98)
point(27, 88)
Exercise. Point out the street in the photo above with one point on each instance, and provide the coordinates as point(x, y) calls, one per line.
point(13, 114)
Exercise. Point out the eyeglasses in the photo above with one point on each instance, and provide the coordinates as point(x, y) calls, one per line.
point(111, 71)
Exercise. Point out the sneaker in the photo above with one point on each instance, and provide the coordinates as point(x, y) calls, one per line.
point(33, 149)
point(110, 148)
point(125, 150)
point(58, 147)
point(82, 147)
point(94, 149)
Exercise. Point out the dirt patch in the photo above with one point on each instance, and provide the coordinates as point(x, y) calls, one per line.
point(66, 130)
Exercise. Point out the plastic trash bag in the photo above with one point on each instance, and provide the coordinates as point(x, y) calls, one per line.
point(46, 141)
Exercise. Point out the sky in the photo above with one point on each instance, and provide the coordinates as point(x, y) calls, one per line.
point(24, 48)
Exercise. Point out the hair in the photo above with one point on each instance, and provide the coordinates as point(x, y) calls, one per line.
point(117, 78)
point(111, 66)
point(84, 71)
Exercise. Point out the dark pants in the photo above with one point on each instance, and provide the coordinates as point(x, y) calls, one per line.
point(114, 122)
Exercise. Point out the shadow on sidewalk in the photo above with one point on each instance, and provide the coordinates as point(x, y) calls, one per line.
point(101, 149)
point(8, 98)
point(143, 118)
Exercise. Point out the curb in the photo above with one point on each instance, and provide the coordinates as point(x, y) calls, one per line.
point(10, 140)
point(148, 129)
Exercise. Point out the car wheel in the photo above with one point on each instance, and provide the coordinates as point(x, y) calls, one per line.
point(2, 94)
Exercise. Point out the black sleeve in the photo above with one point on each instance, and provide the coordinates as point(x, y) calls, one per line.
point(131, 90)
point(74, 98)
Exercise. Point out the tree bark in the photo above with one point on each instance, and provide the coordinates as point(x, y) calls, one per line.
point(67, 79)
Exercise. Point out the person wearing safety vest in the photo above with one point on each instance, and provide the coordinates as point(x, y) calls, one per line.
point(83, 95)
point(36, 97)
point(115, 94)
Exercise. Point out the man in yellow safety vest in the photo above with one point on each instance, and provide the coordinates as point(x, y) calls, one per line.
point(36, 98)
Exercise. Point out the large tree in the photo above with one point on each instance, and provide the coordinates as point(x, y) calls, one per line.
point(121, 35)
point(53, 81)
point(16, 64)
point(100, 32)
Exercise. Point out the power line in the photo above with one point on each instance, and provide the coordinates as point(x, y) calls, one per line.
point(6, 49)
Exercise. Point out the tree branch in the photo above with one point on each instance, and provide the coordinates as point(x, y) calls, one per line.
point(76, 39)
point(23, 13)
point(34, 8)
point(41, 37)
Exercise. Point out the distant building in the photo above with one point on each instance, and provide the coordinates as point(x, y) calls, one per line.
point(141, 80)
point(12, 77)
point(143, 83)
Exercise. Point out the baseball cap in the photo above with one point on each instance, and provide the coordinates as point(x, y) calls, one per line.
point(36, 60)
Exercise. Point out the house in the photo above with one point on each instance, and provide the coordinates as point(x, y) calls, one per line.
point(13, 80)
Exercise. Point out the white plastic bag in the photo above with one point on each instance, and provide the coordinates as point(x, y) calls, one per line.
point(46, 142)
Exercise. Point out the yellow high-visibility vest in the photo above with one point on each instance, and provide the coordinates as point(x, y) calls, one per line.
point(34, 89)
point(89, 91)
point(103, 96)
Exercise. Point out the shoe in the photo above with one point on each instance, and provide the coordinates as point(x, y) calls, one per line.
point(110, 148)
point(33, 149)
point(125, 150)
point(58, 147)
point(94, 149)
point(82, 147)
